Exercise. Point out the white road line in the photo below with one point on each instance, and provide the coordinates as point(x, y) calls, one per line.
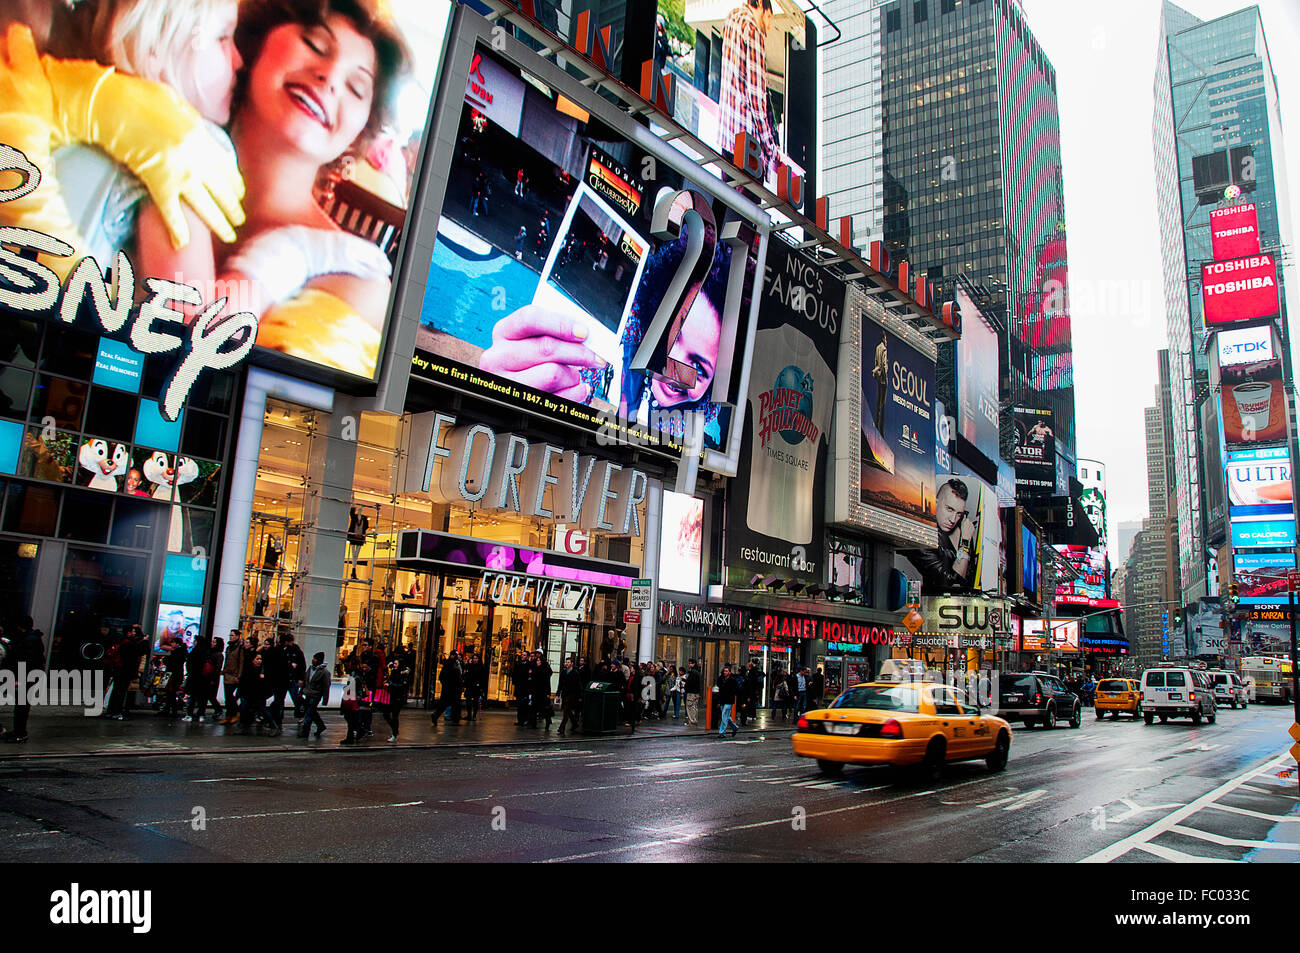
point(1256, 788)
point(1016, 801)
point(251, 817)
point(1246, 813)
point(598, 787)
point(647, 845)
point(1178, 857)
point(1230, 841)
point(1121, 847)
point(216, 780)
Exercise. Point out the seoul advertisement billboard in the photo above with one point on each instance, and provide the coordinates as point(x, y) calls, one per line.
point(565, 282)
point(259, 156)
point(897, 472)
point(977, 378)
point(1243, 289)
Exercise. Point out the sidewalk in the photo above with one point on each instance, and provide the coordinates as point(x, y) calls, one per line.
point(67, 733)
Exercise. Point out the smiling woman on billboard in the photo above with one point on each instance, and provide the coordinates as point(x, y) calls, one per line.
point(205, 138)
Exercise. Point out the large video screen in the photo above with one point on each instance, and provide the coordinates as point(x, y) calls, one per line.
point(977, 378)
point(967, 555)
point(548, 288)
point(732, 60)
point(1253, 403)
point(261, 152)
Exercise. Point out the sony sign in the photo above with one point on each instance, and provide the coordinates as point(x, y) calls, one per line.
point(502, 471)
point(1245, 345)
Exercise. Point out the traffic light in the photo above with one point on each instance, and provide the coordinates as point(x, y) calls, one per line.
point(1178, 617)
point(1232, 589)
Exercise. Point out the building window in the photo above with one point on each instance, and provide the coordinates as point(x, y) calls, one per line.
point(893, 21)
point(949, 6)
point(920, 11)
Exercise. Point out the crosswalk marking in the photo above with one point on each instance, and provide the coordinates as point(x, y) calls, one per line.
point(1231, 841)
point(1178, 857)
point(1247, 813)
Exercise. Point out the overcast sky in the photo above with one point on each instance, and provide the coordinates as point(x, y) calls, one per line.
point(1104, 52)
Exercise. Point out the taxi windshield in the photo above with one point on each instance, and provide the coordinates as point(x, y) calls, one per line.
point(896, 698)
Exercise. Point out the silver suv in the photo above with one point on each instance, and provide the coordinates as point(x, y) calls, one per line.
point(1170, 692)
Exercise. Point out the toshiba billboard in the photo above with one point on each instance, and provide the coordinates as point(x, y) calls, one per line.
point(1244, 289)
point(1234, 232)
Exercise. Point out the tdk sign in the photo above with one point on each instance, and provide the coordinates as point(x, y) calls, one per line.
point(1245, 346)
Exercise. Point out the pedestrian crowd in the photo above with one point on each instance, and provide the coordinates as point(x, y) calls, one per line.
point(249, 683)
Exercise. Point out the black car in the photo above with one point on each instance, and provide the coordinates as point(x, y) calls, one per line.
point(1038, 699)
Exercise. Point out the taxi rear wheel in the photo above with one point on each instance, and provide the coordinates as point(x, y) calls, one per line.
point(830, 768)
point(932, 766)
point(997, 759)
point(1101, 713)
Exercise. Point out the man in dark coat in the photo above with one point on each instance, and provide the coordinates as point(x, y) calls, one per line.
point(571, 685)
point(126, 669)
point(297, 671)
point(25, 646)
point(476, 680)
point(275, 666)
point(540, 692)
point(451, 681)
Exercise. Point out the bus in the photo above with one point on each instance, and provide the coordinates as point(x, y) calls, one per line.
point(1271, 675)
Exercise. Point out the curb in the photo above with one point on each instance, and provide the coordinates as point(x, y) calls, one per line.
point(6, 759)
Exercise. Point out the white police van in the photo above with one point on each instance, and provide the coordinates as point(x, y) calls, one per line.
point(1171, 691)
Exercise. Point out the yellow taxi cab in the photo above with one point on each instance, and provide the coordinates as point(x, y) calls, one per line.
point(1117, 695)
point(901, 723)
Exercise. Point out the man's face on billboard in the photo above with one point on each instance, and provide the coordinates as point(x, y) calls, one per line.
point(950, 510)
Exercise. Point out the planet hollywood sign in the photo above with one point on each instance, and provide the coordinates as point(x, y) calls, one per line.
point(783, 627)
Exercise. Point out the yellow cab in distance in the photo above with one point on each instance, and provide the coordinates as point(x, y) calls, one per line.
point(901, 723)
point(1117, 695)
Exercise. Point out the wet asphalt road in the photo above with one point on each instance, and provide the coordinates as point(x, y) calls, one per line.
point(1066, 795)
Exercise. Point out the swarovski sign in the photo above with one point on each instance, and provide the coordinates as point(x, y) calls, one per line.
point(503, 471)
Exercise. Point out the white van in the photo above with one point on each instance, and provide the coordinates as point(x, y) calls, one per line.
point(1229, 689)
point(1172, 692)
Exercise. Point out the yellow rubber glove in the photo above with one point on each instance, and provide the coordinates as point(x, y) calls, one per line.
point(27, 124)
point(319, 327)
point(149, 129)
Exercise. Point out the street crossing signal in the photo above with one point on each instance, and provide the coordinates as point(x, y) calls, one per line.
point(1232, 589)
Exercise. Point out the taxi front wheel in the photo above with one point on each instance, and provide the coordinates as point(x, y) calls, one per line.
point(997, 759)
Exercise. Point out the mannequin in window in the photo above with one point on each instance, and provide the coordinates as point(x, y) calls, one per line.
point(358, 526)
point(270, 562)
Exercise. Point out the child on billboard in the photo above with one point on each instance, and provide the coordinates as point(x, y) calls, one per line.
point(134, 155)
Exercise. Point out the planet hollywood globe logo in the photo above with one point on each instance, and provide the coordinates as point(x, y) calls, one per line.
point(793, 379)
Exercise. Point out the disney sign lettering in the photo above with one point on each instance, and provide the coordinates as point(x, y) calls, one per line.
point(27, 286)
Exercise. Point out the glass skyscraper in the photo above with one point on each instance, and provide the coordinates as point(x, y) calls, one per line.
point(941, 136)
point(1214, 91)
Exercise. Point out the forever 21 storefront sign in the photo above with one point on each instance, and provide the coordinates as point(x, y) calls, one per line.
point(488, 470)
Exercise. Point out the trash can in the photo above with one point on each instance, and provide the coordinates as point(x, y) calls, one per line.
point(600, 707)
